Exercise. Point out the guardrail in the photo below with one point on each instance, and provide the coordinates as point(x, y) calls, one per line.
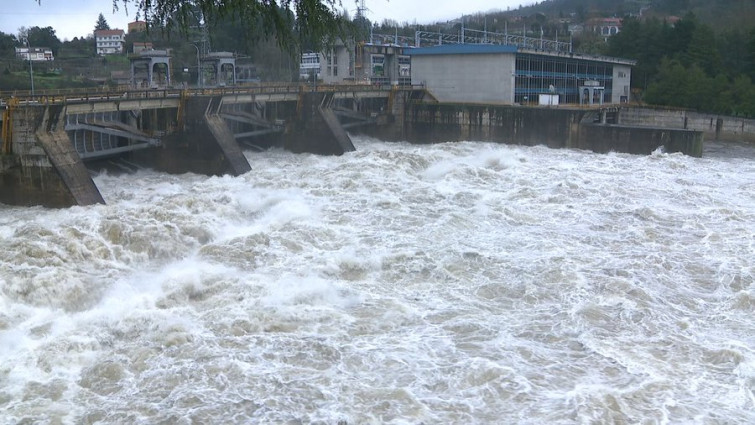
point(65, 96)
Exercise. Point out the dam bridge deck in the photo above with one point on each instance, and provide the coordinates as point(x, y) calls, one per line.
point(103, 123)
point(120, 99)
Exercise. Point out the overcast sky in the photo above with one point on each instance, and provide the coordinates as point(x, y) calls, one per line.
point(76, 18)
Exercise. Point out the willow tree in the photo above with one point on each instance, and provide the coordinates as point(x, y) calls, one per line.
point(290, 22)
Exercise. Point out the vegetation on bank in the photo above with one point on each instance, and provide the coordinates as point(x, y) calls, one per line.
point(697, 54)
point(689, 65)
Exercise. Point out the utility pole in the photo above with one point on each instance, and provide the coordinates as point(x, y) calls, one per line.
point(31, 70)
point(462, 29)
point(199, 69)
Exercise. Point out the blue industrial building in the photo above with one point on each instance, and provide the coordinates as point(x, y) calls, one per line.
point(511, 74)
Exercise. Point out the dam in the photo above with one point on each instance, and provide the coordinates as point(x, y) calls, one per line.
point(48, 139)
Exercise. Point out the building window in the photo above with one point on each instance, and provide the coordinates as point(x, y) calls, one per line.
point(537, 75)
point(332, 63)
point(378, 62)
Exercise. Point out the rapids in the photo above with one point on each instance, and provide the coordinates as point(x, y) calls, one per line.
point(404, 284)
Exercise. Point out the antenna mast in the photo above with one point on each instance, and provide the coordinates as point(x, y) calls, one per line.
point(361, 8)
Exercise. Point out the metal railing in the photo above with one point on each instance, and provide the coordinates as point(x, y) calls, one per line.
point(470, 36)
point(65, 96)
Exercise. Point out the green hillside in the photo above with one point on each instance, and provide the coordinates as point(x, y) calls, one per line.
point(719, 14)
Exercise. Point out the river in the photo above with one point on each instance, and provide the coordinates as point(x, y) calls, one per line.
point(455, 283)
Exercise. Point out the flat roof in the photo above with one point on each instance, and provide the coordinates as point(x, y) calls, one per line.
point(476, 48)
point(580, 56)
point(461, 49)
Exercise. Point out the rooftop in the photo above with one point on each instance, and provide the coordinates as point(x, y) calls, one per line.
point(461, 49)
point(476, 48)
point(109, 32)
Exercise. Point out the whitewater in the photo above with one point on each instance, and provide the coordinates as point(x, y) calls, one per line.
point(454, 283)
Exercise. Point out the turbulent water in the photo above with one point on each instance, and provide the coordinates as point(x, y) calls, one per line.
point(455, 283)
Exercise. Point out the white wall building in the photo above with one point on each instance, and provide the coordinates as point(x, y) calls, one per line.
point(331, 66)
point(34, 54)
point(358, 62)
point(309, 66)
point(466, 72)
point(507, 74)
point(109, 41)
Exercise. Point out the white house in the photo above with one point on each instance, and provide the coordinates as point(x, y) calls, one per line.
point(109, 41)
point(606, 27)
point(310, 67)
point(35, 54)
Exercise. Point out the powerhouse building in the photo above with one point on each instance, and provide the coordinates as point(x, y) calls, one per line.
point(363, 63)
point(510, 74)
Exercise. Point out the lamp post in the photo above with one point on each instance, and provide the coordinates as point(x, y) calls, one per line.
point(199, 70)
point(31, 70)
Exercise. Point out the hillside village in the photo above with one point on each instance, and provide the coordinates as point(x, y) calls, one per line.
point(678, 44)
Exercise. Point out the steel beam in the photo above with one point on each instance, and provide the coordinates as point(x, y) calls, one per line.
point(153, 141)
point(114, 151)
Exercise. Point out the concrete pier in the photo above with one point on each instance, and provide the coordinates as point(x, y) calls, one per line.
point(317, 129)
point(46, 169)
point(70, 168)
point(237, 163)
point(199, 142)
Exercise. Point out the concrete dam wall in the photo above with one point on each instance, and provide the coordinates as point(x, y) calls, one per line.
point(555, 127)
point(715, 127)
point(44, 146)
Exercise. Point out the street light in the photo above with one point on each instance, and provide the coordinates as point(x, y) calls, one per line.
point(199, 71)
point(31, 71)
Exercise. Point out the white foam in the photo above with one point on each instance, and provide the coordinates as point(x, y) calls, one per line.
point(474, 276)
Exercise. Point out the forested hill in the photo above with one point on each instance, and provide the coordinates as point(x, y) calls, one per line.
point(697, 54)
point(718, 14)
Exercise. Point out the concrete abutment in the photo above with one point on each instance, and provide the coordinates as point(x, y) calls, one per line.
point(44, 169)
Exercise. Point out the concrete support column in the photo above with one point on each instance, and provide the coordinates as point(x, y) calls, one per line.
point(317, 129)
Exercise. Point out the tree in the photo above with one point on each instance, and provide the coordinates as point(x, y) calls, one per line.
point(750, 59)
point(625, 43)
point(670, 86)
point(581, 12)
point(589, 42)
point(702, 50)
point(316, 21)
point(42, 37)
point(681, 35)
point(732, 45)
point(698, 91)
point(645, 41)
point(7, 44)
point(672, 7)
point(101, 24)
point(742, 93)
